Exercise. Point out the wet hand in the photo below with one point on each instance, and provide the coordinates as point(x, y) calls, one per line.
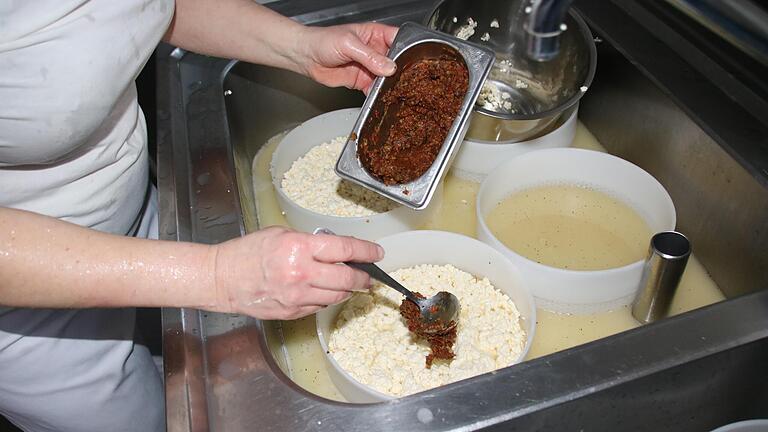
point(349, 55)
point(277, 273)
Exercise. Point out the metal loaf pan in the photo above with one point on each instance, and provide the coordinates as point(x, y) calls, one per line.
point(415, 42)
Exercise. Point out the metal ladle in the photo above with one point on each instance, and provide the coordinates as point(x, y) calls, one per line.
point(442, 308)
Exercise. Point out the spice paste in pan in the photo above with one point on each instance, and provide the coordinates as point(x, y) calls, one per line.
point(441, 344)
point(409, 125)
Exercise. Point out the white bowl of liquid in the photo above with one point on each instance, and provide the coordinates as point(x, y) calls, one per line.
point(758, 425)
point(583, 250)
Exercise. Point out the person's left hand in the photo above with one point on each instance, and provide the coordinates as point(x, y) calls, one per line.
point(348, 55)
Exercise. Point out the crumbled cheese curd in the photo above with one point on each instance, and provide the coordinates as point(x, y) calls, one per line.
point(495, 23)
point(371, 342)
point(467, 30)
point(493, 99)
point(505, 65)
point(312, 183)
point(485, 37)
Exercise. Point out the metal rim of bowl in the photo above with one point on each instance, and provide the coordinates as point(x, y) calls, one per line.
point(586, 33)
point(556, 125)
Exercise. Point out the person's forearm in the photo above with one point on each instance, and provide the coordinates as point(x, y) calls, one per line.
point(45, 262)
point(239, 29)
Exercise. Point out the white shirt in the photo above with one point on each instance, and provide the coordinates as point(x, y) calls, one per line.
point(72, 135)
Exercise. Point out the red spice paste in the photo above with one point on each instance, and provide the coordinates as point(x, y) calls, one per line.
point(410, 123)
point(440, 343)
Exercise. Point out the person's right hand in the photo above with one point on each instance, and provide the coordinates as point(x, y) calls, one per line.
point(349, 55)
point(277, 273)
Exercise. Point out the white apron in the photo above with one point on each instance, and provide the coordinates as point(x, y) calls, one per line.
point(73, 146)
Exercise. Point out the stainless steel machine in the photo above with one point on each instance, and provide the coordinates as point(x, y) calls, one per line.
point(669, 95)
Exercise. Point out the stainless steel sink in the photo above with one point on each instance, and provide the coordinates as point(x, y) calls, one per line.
point(655, 101)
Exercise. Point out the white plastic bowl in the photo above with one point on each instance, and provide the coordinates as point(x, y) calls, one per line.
point(476, 159)
point(316, 131)
point(759, 425)
point(574, 291)
point(433, 247)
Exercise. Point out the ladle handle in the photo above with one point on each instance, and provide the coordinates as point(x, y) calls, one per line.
point(380, 275)
point(375, 272)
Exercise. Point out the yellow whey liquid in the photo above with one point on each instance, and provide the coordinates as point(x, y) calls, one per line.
point(570, 227)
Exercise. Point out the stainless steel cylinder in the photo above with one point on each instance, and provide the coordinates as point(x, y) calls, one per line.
point(664, 266)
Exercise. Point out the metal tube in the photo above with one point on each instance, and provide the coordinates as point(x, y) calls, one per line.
point(667, 257)
point(543, 28)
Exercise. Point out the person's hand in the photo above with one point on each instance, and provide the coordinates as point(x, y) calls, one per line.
point(349, 55)
point(277, 273)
